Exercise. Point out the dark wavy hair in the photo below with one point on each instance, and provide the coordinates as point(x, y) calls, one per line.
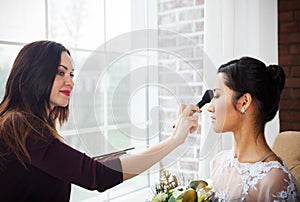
point(23, 110)
point(264, 83)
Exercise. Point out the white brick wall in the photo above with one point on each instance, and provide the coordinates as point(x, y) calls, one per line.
point(184, 18)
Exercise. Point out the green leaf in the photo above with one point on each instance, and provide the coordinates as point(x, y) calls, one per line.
point(172, 199)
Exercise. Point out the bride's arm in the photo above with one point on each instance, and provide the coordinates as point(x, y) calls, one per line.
point(133, 165)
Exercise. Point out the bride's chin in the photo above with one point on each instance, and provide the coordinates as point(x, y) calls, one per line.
point(218, 129)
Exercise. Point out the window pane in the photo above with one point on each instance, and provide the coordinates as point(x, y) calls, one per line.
point(22, 21)
point(78, 24)
point(91, 111)
point(79, 194)
point(136, 183)
point(100, 122)
point(8, 53)
point(118, 17)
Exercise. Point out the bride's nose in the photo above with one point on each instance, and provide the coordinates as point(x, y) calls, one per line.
point(211, 107)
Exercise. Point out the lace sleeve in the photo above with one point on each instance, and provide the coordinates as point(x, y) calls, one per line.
point(277, 185)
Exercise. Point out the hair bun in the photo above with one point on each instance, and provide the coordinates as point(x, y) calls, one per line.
point(278, 76)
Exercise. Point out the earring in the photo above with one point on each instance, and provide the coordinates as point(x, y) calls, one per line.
point(243, 110)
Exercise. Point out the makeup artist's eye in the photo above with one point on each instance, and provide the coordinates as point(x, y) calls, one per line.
point(72, 75)
point(60, 73)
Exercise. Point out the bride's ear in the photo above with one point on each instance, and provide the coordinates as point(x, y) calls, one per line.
point(244, 102)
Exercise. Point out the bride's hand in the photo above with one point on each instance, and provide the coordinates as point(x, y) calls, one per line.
point(187, 122)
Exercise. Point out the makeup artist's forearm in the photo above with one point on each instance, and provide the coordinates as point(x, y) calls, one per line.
point(133, 165)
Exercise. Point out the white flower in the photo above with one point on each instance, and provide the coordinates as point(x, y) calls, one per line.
point(202, 194)
point(178, 191)
point(210, 183)
point(160, 197)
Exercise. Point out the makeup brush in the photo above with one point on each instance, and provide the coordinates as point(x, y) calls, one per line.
point(206, 98)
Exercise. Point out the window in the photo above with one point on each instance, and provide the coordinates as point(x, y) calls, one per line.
point(83, 27)
point(122, 97)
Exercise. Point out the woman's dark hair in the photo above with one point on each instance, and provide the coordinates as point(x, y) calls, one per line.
point(264, 83)
point(26, 101)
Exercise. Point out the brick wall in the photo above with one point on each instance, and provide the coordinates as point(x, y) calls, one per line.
point(289, 59)
point(185, 18)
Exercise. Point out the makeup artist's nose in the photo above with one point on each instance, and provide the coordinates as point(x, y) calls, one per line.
point(69, 81)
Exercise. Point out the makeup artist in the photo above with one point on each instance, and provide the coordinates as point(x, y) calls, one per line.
point(35, 162)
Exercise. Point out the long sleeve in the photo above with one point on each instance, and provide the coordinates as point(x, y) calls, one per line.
point(65, 163)
point(52, 167)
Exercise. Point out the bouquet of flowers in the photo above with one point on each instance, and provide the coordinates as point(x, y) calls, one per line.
point(169, 190)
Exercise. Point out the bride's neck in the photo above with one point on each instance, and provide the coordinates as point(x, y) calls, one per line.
point(249, 146)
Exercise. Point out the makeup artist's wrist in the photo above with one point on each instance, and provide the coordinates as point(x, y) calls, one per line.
point(174, 140)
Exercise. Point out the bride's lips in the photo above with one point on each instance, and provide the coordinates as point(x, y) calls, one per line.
point(66, 92)
point(213, 119)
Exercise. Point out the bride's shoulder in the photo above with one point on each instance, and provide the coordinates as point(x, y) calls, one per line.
point(275, 158)
point(277, 175)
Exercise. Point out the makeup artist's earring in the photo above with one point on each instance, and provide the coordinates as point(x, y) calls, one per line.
point(243, 110)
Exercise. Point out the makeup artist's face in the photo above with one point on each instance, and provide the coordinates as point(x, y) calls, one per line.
point(63, 82)
point(224, 116)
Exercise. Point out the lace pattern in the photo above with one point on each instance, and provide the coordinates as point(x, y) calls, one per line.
point(246, 177)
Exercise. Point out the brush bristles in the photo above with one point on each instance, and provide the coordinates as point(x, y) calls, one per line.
point(208, 95)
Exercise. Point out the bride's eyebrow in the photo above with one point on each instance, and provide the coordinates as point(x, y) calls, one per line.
point(65, 67)
point(217, 89)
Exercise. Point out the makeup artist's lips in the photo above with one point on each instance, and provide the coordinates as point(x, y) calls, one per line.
point(66, 92)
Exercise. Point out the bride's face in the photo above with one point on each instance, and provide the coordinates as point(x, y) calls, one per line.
point(224, 115)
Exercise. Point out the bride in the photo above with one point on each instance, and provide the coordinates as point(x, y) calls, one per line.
point(246, 97)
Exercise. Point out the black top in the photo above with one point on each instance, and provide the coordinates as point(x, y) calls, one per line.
point(53, 167)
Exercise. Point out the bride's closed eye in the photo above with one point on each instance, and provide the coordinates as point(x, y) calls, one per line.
point(216, 95)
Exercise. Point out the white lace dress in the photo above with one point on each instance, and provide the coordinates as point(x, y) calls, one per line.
point(260, 181)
